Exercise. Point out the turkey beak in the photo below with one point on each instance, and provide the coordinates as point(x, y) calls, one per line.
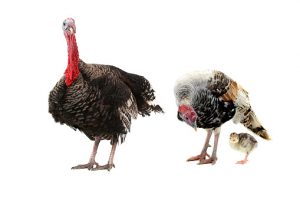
point(71, 30)
point(195, 126)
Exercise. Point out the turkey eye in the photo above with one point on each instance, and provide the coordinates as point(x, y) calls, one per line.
point(64, 23)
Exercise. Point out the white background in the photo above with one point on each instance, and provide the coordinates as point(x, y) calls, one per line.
point(257, 43)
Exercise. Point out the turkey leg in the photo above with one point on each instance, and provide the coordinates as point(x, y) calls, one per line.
point(243, 161)
point(213, 157)
point(110, 163)
point(203, 153)
point(92, 163)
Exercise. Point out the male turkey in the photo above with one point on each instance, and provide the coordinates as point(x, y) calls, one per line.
point(99, 100)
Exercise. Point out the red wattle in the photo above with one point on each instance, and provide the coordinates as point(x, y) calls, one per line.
point(72, 70)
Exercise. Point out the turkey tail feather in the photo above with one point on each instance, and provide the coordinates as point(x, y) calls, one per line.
point(246, 115)
point(251, 122)
point(143, 93)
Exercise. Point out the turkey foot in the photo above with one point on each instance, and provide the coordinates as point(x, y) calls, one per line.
point(211, 160)
point(89, 166)
point(201, 156)
point(241, 162)
point(102, 167)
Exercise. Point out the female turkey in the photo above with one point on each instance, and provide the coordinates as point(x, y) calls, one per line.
point(98, 100)
point(208, 99)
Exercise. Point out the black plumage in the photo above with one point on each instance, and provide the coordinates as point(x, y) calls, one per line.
point(212, 112)
point(99, 100)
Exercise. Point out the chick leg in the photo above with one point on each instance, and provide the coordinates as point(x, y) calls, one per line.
point(110, 163)
point(203, 153)
point(213, 157)
point(243, 161)
point(92, 163)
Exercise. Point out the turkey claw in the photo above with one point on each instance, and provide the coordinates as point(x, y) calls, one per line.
point(102, 167)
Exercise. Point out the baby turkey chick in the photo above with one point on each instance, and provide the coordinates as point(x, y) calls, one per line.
point(243, 142)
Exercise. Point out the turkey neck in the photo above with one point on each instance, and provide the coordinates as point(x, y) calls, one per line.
point(72, 70)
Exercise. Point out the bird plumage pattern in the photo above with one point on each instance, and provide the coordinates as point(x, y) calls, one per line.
point(100, 103)
point(242, 142)
point(215, 99)
point(98, 100)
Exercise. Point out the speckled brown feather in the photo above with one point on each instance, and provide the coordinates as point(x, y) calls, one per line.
point(219, 83)
point(231, 93)
point(251, 122)
point(226, 90)
point(223, 86)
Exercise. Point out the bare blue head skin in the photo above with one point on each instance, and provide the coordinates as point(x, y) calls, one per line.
point(69, 27)
point(188, 115)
